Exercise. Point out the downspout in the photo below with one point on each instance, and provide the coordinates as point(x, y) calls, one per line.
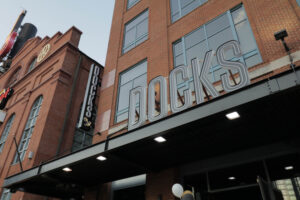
point(62, 133)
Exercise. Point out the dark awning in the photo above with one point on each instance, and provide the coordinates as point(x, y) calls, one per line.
point(267, 108)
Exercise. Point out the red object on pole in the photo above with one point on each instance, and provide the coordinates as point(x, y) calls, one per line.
point(9, 43)
point(11, 38)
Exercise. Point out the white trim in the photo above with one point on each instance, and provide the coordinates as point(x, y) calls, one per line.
point(128, 182)
point(273, 65)
point(87, 89)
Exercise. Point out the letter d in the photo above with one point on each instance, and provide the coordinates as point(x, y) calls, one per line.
point(132, 123)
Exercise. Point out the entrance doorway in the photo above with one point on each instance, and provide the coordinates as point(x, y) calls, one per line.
point(133, 193)
point(249, 193)
point(132, 188)
point(270, 179)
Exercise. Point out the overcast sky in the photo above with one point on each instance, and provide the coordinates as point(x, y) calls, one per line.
point(92, 17)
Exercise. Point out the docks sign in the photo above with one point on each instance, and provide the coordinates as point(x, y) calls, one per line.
point(201, 81)
point(85, 121)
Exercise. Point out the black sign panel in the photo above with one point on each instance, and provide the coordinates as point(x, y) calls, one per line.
point(86, 116)
point(4, 96)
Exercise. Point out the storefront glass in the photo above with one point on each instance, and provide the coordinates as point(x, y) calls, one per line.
point(269, 179)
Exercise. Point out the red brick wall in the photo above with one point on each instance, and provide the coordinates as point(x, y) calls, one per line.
point(265, 16)
point(53, 78)
point(160, 184)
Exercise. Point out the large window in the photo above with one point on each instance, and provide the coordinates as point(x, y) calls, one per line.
point(180, 8)
point(131, 3)
point(27, 133)
point(232, 25)
point(6, 131)
point(136, 31)
point(6, 194)
point(132, 78)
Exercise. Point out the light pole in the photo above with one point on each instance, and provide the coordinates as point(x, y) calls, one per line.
point(280, 35)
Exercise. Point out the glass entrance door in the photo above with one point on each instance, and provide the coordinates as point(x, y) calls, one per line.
point(285, 175)
point(248, 193)
point(280, 178)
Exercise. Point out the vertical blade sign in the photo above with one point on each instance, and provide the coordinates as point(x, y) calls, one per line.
point(86, 122)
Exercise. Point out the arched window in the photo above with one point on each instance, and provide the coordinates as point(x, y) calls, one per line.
point(6, 131)
point(14, 77)
point(32, 65)
point(23, 144)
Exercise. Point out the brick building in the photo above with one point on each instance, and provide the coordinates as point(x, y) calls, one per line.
point(196, 92)
point(48, 77)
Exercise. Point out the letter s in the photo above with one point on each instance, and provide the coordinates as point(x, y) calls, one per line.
point(242, 69)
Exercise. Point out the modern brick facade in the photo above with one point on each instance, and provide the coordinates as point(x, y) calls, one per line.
point(265, 17)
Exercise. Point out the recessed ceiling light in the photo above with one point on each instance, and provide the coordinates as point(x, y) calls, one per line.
point(232, 115)
point(288, 167)
point(160, 139)
point(231, 178)
point(67, 169)
point(101, 158)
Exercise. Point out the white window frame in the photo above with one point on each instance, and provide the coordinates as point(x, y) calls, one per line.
point(232, 25)
point(27, 133)
point(123, 111)
point(180, 8)
point(137, 40)
point(6, 131)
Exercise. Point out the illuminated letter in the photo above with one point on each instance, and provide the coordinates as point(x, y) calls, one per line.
point(173, 89)
point(242, 70)
point(163, 99)
point(132, 124)
point(202, 80)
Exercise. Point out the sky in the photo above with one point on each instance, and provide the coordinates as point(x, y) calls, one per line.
point(92, 17)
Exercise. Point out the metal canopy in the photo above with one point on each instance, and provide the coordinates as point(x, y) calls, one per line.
point(267, 108)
